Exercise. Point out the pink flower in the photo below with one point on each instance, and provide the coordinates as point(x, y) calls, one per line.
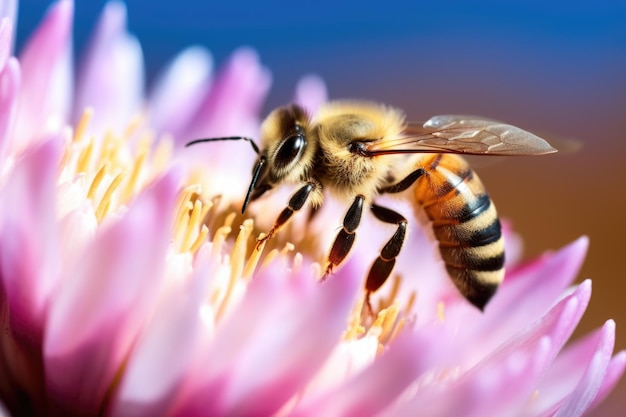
point(131, 286)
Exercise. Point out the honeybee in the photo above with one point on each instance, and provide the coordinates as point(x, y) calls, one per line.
point(361, 150)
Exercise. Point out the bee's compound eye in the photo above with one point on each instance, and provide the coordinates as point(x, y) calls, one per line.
point(290, 149)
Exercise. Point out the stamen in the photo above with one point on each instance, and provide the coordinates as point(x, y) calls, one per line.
point(388, 301)
point(238, 252)
point(388, 324)
point(134, 125)
point(143, 149)
point(275, 253)
point(108, 148)
point(355, 328)
point(83, 124)
point(396, 330)
point(84, 158)
point(192, 226)
point(181, 222)
point(255, 255)
point(96, 182)
point(204, 231)
point(105, 202)
point(410, 302)
point(219, 239)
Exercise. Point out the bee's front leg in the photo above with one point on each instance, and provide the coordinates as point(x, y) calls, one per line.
point(346, 236)
point(296, 202)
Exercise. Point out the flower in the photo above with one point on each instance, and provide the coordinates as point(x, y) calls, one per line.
point(130, 286)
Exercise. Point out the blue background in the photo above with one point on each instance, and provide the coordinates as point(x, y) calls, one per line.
point(556, 67)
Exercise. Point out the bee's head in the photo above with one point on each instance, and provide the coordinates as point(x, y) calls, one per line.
point(286, 155)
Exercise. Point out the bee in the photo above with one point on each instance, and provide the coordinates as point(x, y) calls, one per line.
point(361, 150)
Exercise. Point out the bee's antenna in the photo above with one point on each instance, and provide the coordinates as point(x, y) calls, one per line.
point(255, 178)
point(254, 146)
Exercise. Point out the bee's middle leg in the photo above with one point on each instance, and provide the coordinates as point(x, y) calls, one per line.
point(346, 236)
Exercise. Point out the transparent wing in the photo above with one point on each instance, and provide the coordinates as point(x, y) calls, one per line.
point(462, 134)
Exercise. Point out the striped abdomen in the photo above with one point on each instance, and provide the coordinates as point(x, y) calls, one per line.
point(465, 224)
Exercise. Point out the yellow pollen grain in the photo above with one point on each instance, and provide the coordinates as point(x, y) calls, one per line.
point(83, 124)
point(105, 202)
point(95, 184)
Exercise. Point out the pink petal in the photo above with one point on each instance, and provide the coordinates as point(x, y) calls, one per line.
point(76, 230)
point(377, 386)
point(179, 92)
point(575, 378)
point(496, 388)
point(9, 87)
point(513, 245)
point(46, 90)
point(231, 107)
point(6, 41)
point(613, 375)
point(8, 10)
point(311, 93)
point(28, 236)
point(95, 318)
point(110, 78)
point(589, 385)
point(518, 303)
point(147, 387)
point(505, 379)
point(272, 344)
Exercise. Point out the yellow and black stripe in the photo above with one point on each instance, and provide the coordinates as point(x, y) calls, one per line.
point(465, 224)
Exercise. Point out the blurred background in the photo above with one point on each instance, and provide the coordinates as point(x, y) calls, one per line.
point(556, 68)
